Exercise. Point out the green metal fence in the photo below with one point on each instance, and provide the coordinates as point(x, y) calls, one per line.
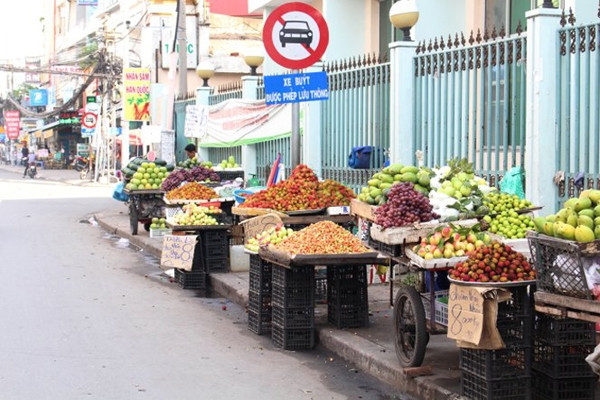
point(470, 101)
point(266, 154)
point(356, 114)
point(227, 91)
point(577, 108)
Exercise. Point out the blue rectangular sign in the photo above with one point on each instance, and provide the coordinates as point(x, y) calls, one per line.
point(38, 97)
point(294, 88)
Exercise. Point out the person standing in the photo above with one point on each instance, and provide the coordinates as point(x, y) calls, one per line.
point(24, 152)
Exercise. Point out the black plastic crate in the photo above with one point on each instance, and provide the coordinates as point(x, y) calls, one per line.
point(549, 388)
point(521, 303)
point(294, 317)
point(564, 331)
point(214, 237)
point(347, 296)
point(259, 323)
point(296, 277)
point(292, 339)
point(230, 175)
point(493, 365)
point(217, 264)
point(558, 266)
point(566, 361)
point(390, 249)
point(515, 331)
point(293, 297)
point(190, 279)
point(260, 274)
point(474, 387)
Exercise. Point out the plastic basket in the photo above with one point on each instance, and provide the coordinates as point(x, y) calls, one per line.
point(190, 279)
point(475, 387)
point(347, 296)
point(441, 308)
point(321, 285)
point(549, 388)
point(493, 365)
point(564, 331)
point(260, 274)
point(559, 267)
point(562, 361)
point(230, 175)
point(292, 339)
point(293, 287)
point(294, 317)
point(259, 313)
point(390, 249)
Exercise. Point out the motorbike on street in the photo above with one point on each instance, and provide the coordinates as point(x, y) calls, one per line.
point(32, 170)
point(80, 163)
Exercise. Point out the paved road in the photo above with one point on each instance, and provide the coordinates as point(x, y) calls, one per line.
point(83, 315)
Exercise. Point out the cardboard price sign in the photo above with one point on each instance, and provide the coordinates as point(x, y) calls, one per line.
point(178, 252)
point(256, 225)
point(472, 315)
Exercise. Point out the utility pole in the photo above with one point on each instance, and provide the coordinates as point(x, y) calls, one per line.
point(182, 42)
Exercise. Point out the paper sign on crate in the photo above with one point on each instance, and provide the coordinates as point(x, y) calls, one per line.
point(178, 251)
point(472, 315)
point(256, 225)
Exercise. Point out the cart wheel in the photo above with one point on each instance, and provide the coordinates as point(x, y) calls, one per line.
point(133, 217)
point(147, 226)
point(410, 335)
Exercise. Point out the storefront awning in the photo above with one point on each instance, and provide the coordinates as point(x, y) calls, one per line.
point(45, 127)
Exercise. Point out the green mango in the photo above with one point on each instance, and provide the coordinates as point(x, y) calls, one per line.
point(561, 215)
point(410, 168)
point(421, 189)
point(385, 185)
point(584, 234)
point(572, 220)
point(566, 231)
point(375, 192)
point(395, 168)
point(551, 218)
point(596, 221)
point(582, 204)
point(364, 189)
point(570, 203)
point(424, 180)
point(539, 224)
point(597, 232)
point(548, 228)
point(398, 178)
point(594, 196)
point(597, 211)
point(374, 183)
point(370, 200)
point(409, 177)
point(588, 212)
point(386, 178)
point(585, 220)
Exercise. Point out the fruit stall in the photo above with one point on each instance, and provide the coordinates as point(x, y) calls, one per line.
point(143, 179)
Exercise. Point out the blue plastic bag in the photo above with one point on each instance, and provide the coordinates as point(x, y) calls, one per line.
point(360, 157)
point(119, 192)
point(512, 182)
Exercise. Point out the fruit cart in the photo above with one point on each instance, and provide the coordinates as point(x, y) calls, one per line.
point(143, 206)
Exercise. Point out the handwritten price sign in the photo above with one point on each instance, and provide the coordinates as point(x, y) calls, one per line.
point(178, 252)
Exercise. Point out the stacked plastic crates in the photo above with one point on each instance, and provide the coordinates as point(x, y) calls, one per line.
point(190, 279)
point(560, 371)
point(347, 297)
point(505, 373)
point(259, 295)
point(293, 302)
point(212, 251)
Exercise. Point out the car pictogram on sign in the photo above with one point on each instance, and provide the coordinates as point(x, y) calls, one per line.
point(295, 32)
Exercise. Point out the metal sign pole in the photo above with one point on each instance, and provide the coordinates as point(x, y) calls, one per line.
point(295, 139)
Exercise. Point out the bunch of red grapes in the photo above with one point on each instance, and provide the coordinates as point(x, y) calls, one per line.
point(404, 206)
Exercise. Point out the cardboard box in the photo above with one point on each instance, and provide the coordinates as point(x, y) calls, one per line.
point(338, 210)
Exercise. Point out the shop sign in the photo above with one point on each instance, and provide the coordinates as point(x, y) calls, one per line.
point(136, 100)
point(12, 121)
point(38, 97)
point(167, 35)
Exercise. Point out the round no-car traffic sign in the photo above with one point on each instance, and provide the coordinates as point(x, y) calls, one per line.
point(295, 35)
point(89, 120)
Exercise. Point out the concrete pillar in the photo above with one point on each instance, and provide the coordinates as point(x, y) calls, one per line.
point(249, 86)
point(311, 130)
point(541, 129)
point(402, 147)
point(202, 93)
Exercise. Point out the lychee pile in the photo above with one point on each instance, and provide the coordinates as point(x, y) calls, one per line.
point(301, 191)
point(495, 262)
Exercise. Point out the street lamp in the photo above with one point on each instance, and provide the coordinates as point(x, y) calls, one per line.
point(205, 70)
point(254, 59)
point(404, 15)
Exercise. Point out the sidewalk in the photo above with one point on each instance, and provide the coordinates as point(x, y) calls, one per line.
point(371, 349)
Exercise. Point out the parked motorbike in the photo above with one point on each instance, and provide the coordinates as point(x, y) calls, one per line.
point(80, 163)
point(32, 170)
